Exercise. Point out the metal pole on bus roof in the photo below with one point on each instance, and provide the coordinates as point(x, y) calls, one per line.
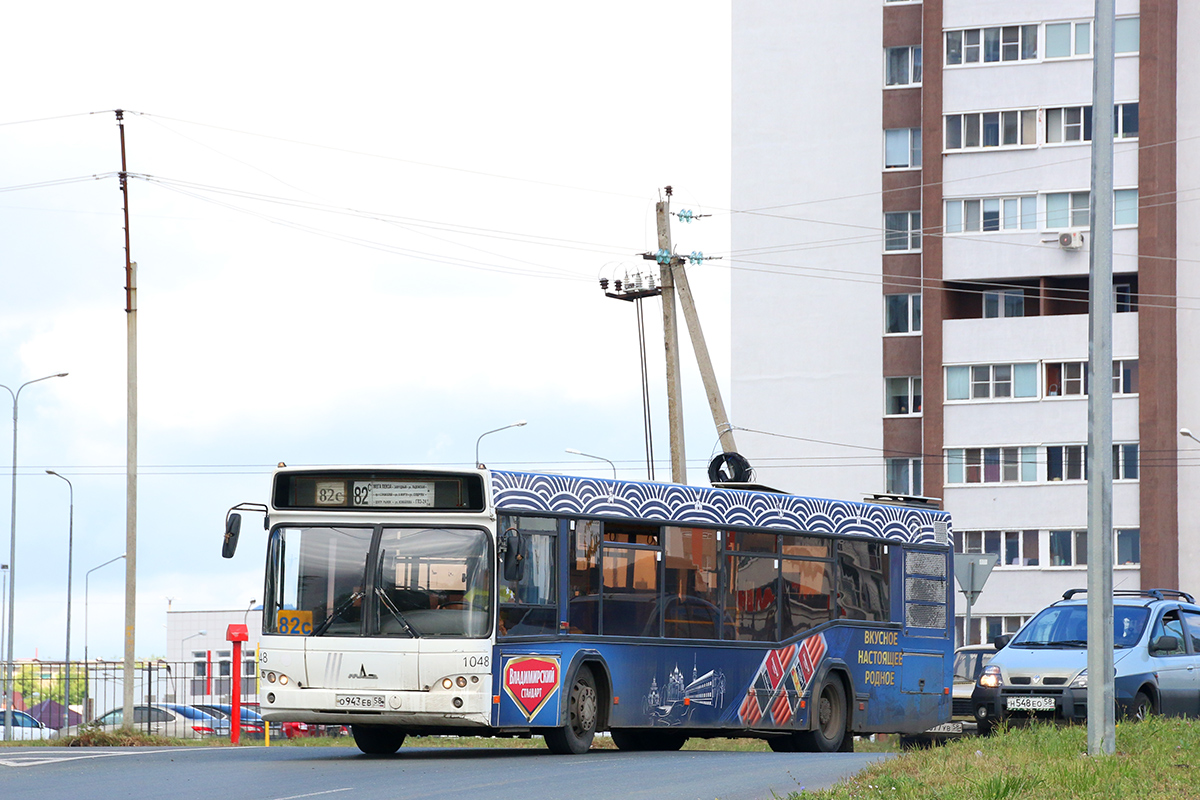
point(1101, 709)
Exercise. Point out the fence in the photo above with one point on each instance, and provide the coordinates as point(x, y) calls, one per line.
point(98, 687)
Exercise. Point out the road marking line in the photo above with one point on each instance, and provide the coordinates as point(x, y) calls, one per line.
point(37, 760)
point(316, 794)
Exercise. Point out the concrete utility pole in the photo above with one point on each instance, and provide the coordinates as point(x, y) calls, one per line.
point(671, 341)
point(130, 446)
point(1101, 709)
point(672, 276)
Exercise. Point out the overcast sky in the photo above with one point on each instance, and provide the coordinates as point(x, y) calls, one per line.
point(363, 236)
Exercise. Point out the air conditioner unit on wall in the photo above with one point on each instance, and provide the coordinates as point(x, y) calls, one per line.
point(1070, 240)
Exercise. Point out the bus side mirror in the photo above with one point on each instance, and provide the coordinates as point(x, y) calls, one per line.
point(233, 528)
point(514, 555)
point(1002, 641)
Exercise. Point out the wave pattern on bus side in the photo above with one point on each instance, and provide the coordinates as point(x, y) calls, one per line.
point(695, 505)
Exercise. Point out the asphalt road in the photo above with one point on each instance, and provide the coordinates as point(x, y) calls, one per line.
point(330, 773)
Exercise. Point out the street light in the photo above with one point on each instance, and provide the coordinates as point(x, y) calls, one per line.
point(12, 556)
point(70, 550)
point(3, 599)
point(598, 458)
point(1188, 434)
point(519, 424)
point(86, 682)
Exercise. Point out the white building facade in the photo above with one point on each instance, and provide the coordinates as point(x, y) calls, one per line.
point(911, 249)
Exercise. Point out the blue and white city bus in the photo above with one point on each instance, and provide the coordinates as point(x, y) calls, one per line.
point(483, 602)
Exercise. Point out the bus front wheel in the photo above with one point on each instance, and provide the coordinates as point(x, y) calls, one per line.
point(377, 740)
point(576, 736)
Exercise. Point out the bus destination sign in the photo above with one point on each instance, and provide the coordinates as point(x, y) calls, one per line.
point(376, 494)
point(393, 494)
point(368, 490)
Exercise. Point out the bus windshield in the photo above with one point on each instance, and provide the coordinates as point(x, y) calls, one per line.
point(406, 582)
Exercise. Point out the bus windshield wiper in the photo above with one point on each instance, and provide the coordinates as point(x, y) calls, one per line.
point(387, 602)
point(337, 612)
point(1067, 643)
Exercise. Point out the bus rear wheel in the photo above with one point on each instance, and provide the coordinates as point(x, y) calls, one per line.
point(829, 734)
point(377, 740)
point(575, 738)
point(641, 739)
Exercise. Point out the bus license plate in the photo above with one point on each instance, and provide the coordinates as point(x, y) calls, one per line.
point(1030, 704)
point(359, 700)
point(947, 727)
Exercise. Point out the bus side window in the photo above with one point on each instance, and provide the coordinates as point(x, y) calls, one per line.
point(529, 605)
point(584, 612)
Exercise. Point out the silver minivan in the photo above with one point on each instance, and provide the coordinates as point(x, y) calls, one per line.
point(1041, 673)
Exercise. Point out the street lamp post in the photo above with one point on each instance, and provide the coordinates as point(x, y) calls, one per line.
point(70, 552)
point(12, 557)
point(598, 458)
point(518, 424)
point(86, 681)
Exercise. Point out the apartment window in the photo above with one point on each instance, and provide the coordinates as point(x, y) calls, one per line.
point(1068, 209)
point(1066, 462)
point(1020, 549)
point(1074, 123)
point(1004, 303)
point(902, 148)
point(991, 214)
point(1069, 378)
point(1068, 39)
point(977, 542)
point(1129, 546)
point(903, 66)
point(904, 476)
point(1125, 377)
point(902, 231)
point(1071, 124)
point(985, 381)
point(986, 629)
point(1068, 548)
point(991, 45)
point(903, 313)
point(1124, 297)
point(1125, 121)
point(1125, 207)
point(991, 129)
point(903, 396)
point(1125, 462)
point(991, 465)
point(1066, 379)
point(1127, 33)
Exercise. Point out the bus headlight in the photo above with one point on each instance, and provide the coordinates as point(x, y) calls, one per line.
point(1080, 681)
point(447, 683)
point(990, 679)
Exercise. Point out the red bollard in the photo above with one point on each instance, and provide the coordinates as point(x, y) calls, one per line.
point(236, 634)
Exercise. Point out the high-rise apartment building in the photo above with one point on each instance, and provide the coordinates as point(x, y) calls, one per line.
point(911, 180)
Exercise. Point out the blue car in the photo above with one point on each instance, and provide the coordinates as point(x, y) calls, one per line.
point(252, 722)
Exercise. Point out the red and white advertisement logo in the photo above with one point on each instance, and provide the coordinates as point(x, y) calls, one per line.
point(531, 681)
